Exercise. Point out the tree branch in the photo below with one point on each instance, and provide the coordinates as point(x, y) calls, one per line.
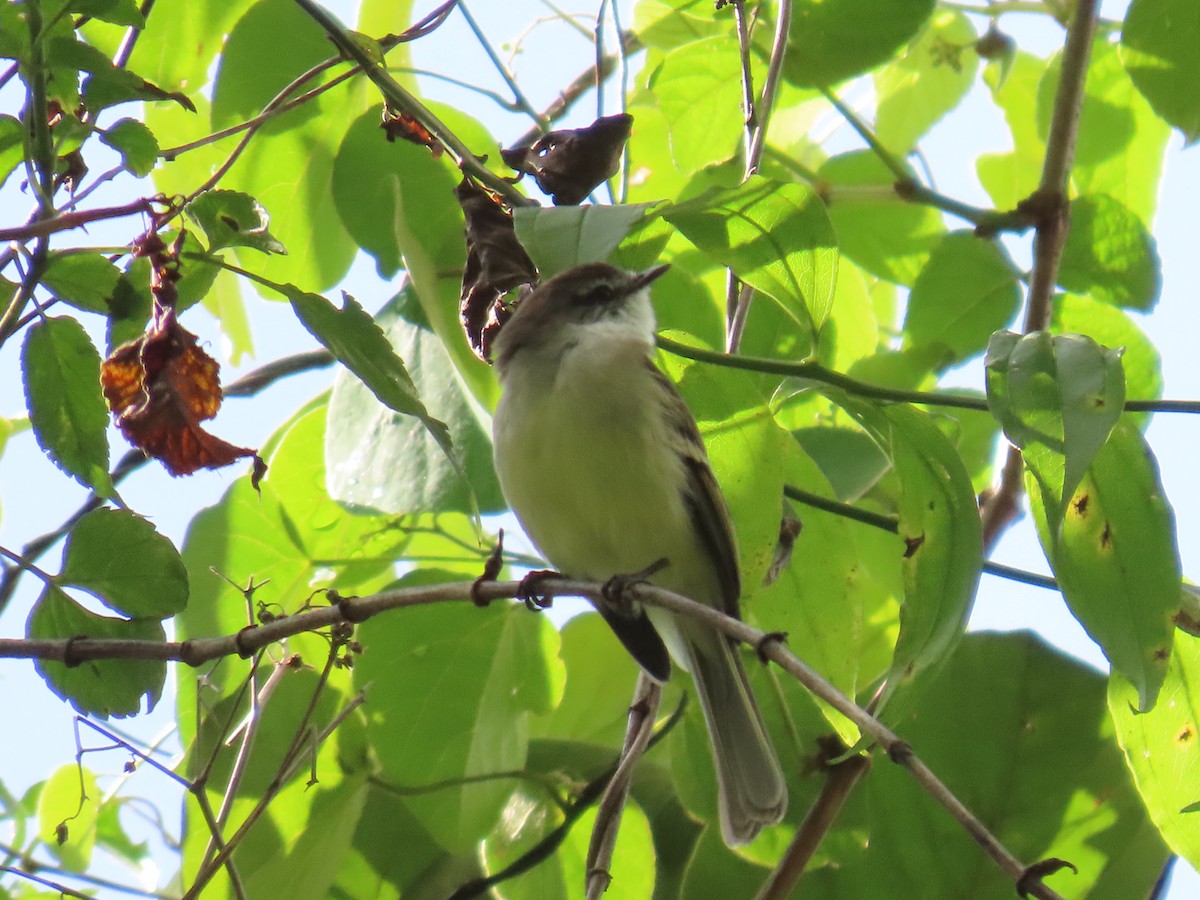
point(352, 610)
point(1051, 209)
point(840, 779)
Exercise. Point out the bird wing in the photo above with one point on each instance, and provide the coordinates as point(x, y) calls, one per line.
point(704, 500)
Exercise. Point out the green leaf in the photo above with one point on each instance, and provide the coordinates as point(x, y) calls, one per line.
point(377, 185)
point(106, 85)
point(493, 667)
point(966, 291)
point(377, 459)
point(305, 868)
point(929, 80)
point(1039, 768)
point(560, 237)
point(597, 671)
point(12, 146)
point(112, 836)
point(776, 237)
point(819, 606)
point(888, 237)
point(118, 12)
point(940, 528)
point(562, 874)
point(849, 460)
point(84, 280)
point(289, 169)
point(62, 393)
point(672, 23)
point(67, 816)
point(233, 219)
point(1160, 47)
point(698, 90)
point(1121, 141)
point(1111, 327)
point(832, 40)
point(1162, 747)
point(108, 687)
point(356, 340)
point(1116, 558)
point(1110, 255)
point(121, 558)
point(136, 144)
point(1057, 398)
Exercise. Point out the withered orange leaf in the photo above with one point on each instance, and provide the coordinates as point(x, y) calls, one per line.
point(409, 127)
point(496, 263)
point(571, 163)
point(159, 388)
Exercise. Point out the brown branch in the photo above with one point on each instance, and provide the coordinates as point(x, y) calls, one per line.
point(646, 697)
point(839, 782)
point(1051, 211)
point(352, 610)
point(66, 221)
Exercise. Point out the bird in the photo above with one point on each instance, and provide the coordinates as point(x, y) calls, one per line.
point(603, 465)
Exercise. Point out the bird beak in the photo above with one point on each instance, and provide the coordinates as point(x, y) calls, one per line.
point(643, 278)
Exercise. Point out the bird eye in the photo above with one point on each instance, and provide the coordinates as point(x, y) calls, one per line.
point(597, 295)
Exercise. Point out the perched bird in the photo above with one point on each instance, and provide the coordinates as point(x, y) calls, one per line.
point(602, 463)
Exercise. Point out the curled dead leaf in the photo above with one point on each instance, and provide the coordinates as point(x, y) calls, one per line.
point(159, 388)
point(496, 263)
point(571, 163)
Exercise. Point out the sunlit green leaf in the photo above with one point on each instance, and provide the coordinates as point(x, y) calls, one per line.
point(887, 236)
point(1112, 327)
point(966, 291)
point(1040, 769)
point(698, 90)
point(84, 280)
point(122, 559)
point(62, 393)
point(103, 687)
point(831, 40)
point(233, 219)
point(940, 528)
point(1110, 255)
point(382, 460)
point(1160, 46)
point(67, 810)
point(135, 142)
point(289, 171)
point(493, 667)
point(776, 237)
point(929, 80)
point(1162, 746)
point(559, 237)
point(1116, 559)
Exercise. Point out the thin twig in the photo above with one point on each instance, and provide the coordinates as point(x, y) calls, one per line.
point(396, 96)
point(66, 221)
point(642, 712)
point(892, 524)
point(518, 95)
point(818, 373)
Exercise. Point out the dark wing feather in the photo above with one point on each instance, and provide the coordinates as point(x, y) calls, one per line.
point(704, 500)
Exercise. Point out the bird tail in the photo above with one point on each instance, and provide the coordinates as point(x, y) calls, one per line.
point(751, 791)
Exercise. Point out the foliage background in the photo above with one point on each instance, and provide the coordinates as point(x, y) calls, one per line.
point(1002, 605)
